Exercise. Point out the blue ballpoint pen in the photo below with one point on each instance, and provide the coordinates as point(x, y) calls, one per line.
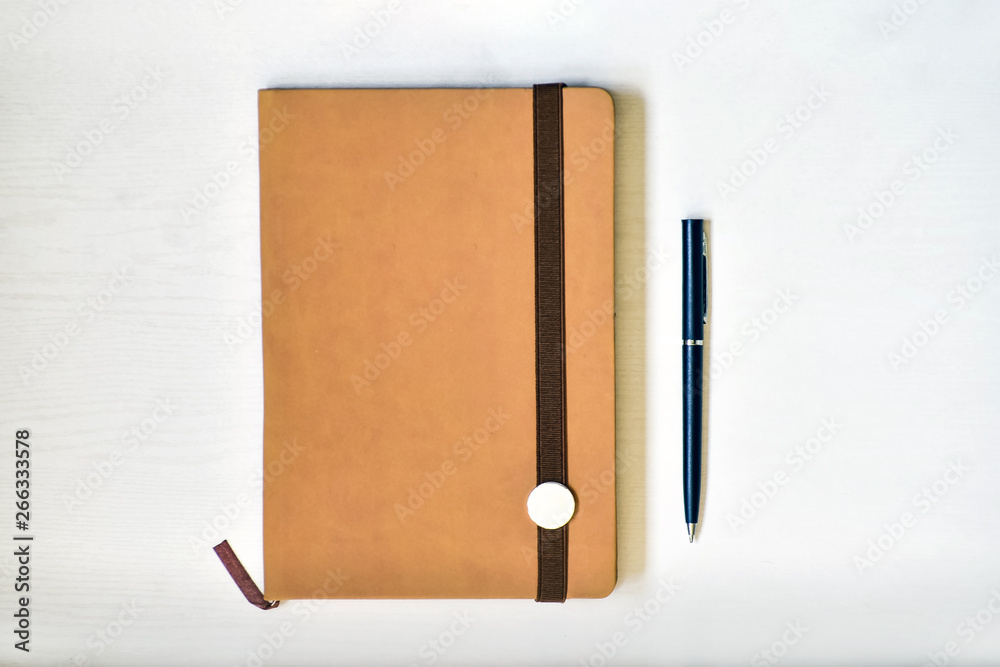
point(695, 316)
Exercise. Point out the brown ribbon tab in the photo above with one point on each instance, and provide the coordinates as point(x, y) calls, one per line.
point(550, 360)
point(242, 577)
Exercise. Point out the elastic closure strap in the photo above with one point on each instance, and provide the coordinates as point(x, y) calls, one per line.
point(550, 360)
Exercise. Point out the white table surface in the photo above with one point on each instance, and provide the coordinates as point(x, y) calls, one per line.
point(887, 106)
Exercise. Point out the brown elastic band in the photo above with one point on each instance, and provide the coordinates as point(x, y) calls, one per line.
point(550, 361)
point(242, 577)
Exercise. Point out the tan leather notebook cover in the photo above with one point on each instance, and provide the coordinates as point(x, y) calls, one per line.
point(399, 346)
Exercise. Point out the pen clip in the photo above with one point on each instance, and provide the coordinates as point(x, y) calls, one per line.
point(704, 278)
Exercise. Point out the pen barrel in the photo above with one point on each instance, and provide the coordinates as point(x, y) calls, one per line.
point(695, 279)
point(692, 390)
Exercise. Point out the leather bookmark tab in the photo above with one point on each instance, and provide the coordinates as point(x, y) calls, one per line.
point(242, 577)
point(550, 361)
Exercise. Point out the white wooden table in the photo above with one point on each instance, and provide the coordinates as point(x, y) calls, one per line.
point(847, 155)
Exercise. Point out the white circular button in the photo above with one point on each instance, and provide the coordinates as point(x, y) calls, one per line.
point(551, 505)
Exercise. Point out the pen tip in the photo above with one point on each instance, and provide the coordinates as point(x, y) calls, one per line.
point(691, 532)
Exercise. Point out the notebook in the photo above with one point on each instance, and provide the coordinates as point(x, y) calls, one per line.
point(405, 393)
